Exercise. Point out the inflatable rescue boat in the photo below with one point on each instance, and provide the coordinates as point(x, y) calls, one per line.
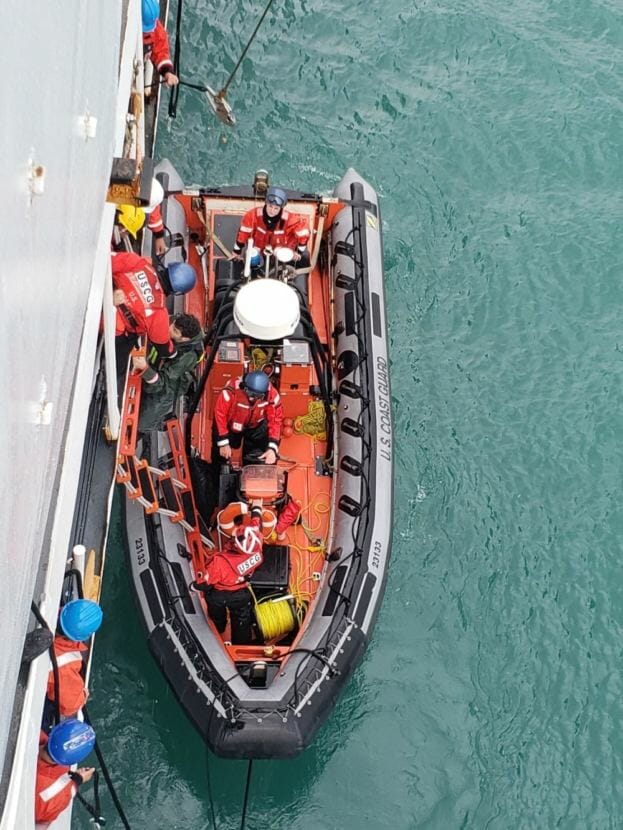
point(319, 333)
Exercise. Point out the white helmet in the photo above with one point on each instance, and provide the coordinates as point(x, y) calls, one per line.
point(157, 195)
point(248, 541)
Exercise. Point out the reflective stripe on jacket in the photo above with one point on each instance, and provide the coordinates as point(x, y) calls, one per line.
point(54, 790)
point(290, 231)
point(144, 311)
point(234, 412)
point(230, 568)
point(154, 221)
point(72, 690)
point(156, 48)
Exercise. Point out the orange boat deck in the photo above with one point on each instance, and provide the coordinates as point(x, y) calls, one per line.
point(300, 454)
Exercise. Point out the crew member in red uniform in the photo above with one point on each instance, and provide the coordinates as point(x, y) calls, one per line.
point(156, 226)
point(156, 42)
point(273, 226)
point(69, 743)
point(154, 217)
point(78, 621)
point(224, 583)
point(141, 304)
point(248, 413)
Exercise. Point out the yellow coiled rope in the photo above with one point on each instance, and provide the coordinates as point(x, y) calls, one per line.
point(314, 423)
point(274, 616)
point(310, 552)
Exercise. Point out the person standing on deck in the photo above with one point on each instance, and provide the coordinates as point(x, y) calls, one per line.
point(156, 42)
point(273, 226)
point(69, 743)
point(224, 583)
point(249, 412)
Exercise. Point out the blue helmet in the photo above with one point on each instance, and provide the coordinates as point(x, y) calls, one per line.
point(150, 14)
point(70, 742)
point(276, 196)
point(256, 383)
point(182, 277)
point(80, 618)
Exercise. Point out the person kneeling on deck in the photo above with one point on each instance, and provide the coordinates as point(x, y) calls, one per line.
point(249, 413)
point(272, 226)
point(224, 583)
point(78, 621)
point(141, 304)
point(69, 743)
point(162, 388)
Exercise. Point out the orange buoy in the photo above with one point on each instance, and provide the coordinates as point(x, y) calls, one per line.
point(287, 431)
point(288, 422)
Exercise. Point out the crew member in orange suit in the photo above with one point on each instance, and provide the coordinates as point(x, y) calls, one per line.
point(224, 583)
point(156, 226)
point(78, 621)
point(69, 743)
point(154, 221)
point(272, 225)
point(249, 412)
point(156, 42)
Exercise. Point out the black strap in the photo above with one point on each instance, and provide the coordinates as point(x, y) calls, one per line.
point(93, 809)
point(362, 203)
point(106, 774)
point(43, 624)
point(175, 91)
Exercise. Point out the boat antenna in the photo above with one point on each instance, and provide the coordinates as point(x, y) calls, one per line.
point(217, 101)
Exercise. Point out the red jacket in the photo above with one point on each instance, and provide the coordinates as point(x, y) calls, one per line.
point(72, 691)
point(288, 515)
point(154, 221)
point(54, 790)
point(230, 568)
point(144, 311)
point(234, 412)
point(290, 231)
point(156, 48)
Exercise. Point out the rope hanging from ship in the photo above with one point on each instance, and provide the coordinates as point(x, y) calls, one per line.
point(217, 100)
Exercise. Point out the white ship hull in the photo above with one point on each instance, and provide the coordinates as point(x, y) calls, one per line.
point(63, 121)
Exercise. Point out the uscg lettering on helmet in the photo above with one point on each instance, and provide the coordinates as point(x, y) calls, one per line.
point(249, 563)
point(144, 287)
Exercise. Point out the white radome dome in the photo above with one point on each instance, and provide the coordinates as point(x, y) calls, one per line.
point(266, 309)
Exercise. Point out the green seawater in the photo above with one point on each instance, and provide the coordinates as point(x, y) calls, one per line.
point(491, 694)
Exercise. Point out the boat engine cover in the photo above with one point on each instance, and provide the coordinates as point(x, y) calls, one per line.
point(267, 309)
